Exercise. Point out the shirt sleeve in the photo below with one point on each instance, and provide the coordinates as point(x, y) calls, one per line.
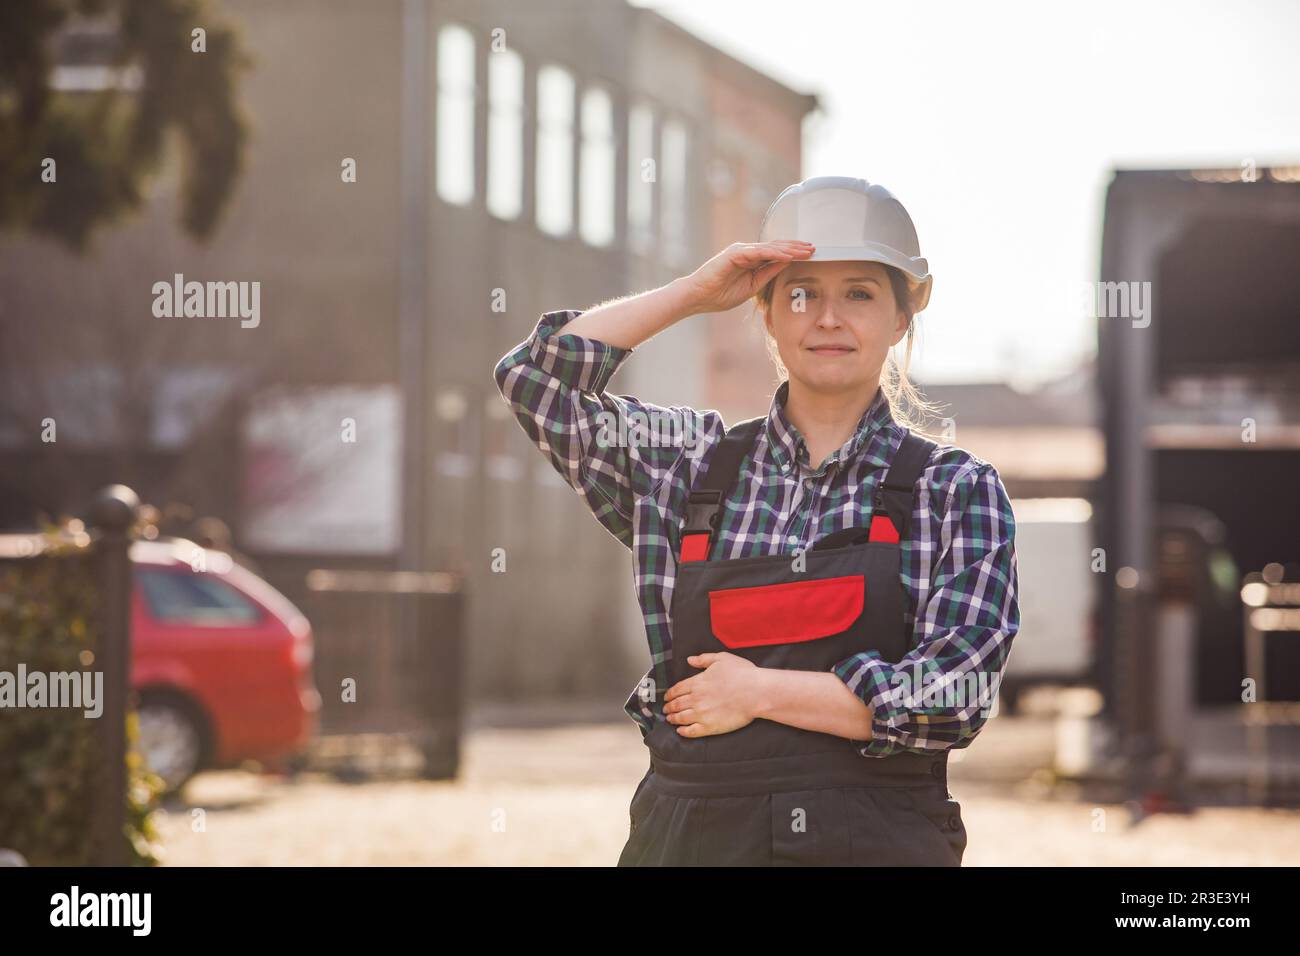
point(611, 449)
point(940, 694)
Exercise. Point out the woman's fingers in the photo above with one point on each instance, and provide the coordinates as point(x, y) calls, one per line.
point(679, 689)
point(765, 274)
point(729, 277)
point(781, 249)
point(795, 247)
point(759, 258)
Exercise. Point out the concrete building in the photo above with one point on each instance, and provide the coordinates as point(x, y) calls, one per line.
point(510, 158)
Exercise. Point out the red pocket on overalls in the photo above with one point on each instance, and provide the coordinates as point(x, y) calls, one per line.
point(786, 613)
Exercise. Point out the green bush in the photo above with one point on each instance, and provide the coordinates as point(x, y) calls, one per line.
point(49, 756)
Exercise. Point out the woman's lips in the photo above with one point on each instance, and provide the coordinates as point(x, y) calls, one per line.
point(831, 349)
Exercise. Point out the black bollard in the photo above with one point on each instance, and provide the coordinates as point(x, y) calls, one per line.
point(111, 516)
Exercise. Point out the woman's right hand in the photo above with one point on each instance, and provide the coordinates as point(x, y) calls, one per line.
point(740, 270)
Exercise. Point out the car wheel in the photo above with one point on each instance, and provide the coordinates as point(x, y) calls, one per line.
point(170, 740)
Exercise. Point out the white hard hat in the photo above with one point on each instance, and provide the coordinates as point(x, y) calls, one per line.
point(850, 218)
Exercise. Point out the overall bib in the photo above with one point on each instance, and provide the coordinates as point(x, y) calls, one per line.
point(772, 794)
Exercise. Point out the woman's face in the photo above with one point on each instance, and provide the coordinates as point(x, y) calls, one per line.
point(834, 323)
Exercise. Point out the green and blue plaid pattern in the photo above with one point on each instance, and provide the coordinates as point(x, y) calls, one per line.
point(958, 559)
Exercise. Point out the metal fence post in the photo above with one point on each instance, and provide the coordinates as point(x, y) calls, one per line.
point(111, 515)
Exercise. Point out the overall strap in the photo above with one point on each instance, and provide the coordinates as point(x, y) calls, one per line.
point(891, 513)
point(892, 508)
point(704, 507)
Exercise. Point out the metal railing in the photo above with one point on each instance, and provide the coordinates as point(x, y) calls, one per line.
point(388, 658)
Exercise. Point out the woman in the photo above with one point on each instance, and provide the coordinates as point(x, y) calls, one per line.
point(829, 598)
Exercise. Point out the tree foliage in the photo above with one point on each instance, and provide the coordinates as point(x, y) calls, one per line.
point(107, 143)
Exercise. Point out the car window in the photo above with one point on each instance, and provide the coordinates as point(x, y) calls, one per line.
point(193, 598)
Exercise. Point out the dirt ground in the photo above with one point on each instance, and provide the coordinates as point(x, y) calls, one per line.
point(532, 793)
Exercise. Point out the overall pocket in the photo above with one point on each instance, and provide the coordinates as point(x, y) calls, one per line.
point(938, 808)
point(639, 810)
point(789, 613)
point(904, 826)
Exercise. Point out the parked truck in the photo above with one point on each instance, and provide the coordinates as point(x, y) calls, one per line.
point(1199, 374)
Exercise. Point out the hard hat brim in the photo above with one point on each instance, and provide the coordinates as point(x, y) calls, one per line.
point(917, 270)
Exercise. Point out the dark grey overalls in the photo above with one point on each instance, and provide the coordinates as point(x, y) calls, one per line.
point(769, 793)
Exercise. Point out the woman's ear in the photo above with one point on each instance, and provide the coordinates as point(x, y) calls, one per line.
point(901, 326)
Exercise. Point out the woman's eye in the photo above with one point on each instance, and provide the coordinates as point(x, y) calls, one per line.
point(865, 294)
point(797, 293)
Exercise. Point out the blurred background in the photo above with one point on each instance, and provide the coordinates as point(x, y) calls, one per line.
point(367, 623)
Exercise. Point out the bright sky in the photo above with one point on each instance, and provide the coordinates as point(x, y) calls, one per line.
point(996, 125)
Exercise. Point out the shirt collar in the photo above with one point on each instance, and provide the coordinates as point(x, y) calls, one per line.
point(788, 446)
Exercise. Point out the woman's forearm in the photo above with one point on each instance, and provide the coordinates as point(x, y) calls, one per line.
point(627, 322)
point(722, 283)
point(814, 700)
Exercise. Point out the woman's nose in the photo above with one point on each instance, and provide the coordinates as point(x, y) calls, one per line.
point(827, 317)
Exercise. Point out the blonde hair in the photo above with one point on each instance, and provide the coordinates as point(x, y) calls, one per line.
point(908, 406)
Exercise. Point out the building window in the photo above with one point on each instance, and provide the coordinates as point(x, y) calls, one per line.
point(455, 117)
point(455, 436)
point(87, 58)
point(555, 91)
point(596, 169)
point(641, 177)
point(505, 181)
point(674, 212)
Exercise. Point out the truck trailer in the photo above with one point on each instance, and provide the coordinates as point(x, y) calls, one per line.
point(1198, 332)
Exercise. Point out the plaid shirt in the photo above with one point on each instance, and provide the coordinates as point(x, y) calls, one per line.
point(958, 560)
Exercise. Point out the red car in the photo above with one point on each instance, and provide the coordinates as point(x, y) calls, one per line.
point(221, 663)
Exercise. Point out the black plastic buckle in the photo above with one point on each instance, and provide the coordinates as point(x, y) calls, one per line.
point(902, 496)
point(702, 511)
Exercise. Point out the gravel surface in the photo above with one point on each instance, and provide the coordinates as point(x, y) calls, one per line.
point(536, 795)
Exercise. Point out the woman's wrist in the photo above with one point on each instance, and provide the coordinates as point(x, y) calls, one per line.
point(628, 321)
point(812, 700)
point(681, 294)
point(763, 687)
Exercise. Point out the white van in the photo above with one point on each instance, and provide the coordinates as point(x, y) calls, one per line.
point(1056, 596)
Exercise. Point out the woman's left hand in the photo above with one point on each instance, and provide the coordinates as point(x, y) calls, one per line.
point(718, 700)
